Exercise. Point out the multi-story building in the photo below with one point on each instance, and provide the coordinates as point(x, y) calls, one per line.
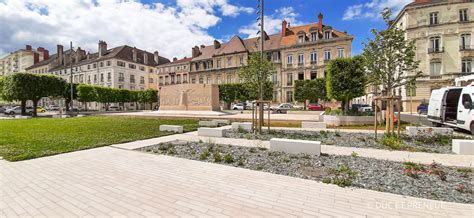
point(176, 72)
point(298, 53)
point(120, 67)
point(21, 59)
point(443, 32)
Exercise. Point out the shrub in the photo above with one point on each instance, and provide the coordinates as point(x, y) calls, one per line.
point(241, 162)
point(465, 171)
point(337, 112)
point(204, 155)
point(323, 133)
point(253, 150)
point(217, 157)
point(341, 176)
point(337, 133)
point(392, 142)
point(228, 158)
point(354, 154)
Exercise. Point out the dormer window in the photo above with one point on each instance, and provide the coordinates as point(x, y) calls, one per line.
point(327, 34)
point(314, 36)
point(300, 38)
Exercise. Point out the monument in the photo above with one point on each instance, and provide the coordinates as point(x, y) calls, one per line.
point(189, 97)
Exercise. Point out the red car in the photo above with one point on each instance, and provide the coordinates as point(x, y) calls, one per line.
point(315, 107)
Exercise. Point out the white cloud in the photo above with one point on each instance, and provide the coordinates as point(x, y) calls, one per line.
point(372, 9)
point(272, 22)
point(170, 29)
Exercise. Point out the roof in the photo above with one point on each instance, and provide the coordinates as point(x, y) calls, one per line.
point(235, 45)
point(291, 37)
point(427, 3)
point(180, 61)
point(272, 43)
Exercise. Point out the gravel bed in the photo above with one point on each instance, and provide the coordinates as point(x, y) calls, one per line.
point(433, 181)
point(440, 144)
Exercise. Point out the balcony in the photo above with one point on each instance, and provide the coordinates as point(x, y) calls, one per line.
point(289, 65)
point(300, 64)
point(313, 62)
point(435, 50)
point(466, 47)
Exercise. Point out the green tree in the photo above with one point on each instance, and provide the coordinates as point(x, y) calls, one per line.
point(86, 93)
point(67, 94)
point(312, 90)
point(255, 75)
point(345, 80)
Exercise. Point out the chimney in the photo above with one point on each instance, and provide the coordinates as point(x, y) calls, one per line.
point(102, 48)
point(60, 54)
point(77, 56)
point(88, 56)
point(134, 54)
point(45, 55)
point(320, 24)
point(36, 57)
point(145, 57)
point(28, 47)
point(156, 57)
point(283, 28)
point(175, 59)
point(217, 44)
point(203, 46)
point(196, 51)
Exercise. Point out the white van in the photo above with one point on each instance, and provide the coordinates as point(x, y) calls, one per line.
point(452, 106)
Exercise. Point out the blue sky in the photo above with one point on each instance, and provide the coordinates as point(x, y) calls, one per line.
point(172, 27)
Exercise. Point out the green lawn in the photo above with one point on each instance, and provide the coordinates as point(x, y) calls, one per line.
point(32, 138)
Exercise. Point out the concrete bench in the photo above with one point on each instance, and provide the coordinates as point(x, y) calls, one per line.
point(295, 146)
point(221, 122)
point(315, 125)
point(463, 146)
point(61, 116)
point(427, 131)
point(22, 117)
point(171, 128)
point(210, 132)
point(247, 126)
point(207, 123)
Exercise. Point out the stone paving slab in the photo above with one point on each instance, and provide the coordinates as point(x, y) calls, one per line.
point(115, 182)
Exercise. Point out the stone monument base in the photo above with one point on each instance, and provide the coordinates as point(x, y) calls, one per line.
point(189, 113)
point(189, 97)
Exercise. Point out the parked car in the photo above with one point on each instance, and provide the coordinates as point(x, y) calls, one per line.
point(114, 108)
point(2, 109)
point(17, 110)
point(238, 106)
point(315, 107)
point(53, 108)
point(452, 106)
point(40, 109)
point(422, 108)
point(366, 109)
point(355, 107)
point(282, 107)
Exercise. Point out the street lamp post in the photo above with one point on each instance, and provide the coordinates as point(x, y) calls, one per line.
point(262, 41)
point(72, 84)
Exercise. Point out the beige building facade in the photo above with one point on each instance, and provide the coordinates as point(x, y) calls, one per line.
point(21, 59)
point(443, 30)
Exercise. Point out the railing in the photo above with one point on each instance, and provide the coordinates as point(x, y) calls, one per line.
point(466, 47)
point(289, 65)
point(326, 61)
point(313, 62)
point(435, 50)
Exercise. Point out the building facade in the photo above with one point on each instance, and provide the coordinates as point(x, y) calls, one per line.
point(21, 59)
point(121, 67)
point(298, 53)
point(443, 30)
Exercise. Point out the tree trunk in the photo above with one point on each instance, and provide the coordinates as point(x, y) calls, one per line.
point(35, 104)
point(23, 108)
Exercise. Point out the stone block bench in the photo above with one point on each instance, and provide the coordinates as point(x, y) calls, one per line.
point(171, 128)
point(428, 131)
point(295, 146)
point(207, 123)
point(315, 125)
point(463, 146)
point(210, 132)
point(61, 116)
point(22, 117)
point(221, 122)
point(247, 126)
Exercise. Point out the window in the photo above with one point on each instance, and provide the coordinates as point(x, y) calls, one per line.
point(314, 36)
point(466, 66)
point(274, 78)
point(289, 96)
point(160, 80)
point(101, 64)
point(89, 79)
point(94, 65)
point(150, 80)
point(313, 75)
point(467, 98)
point(88, 66)
point(101, 77)
point(340, 52)
point(327, 34)
point(109, 63)
point(209, 79)
point(463, 15)
point(327, 55)
point(172, 79)
point(218, 63)
point(300, 59)
point(289, 79)
point(301, 76)
point(229, 61)
point(434, 18)
point(132, 66)
point(120, 63)
point(132, 78)
point(241, 60)
point(435, 44)
point(120, 86)
point(435, 68)
point(185, 78)
point(314, 57)
point(109, 77)
point(193, 79)
point(167, 80)
point(300, 38)
point(142, 80)
point(121, 78)
point(196, 66)
point(201, 80)
point(142, 68)
point(178, 79)
point(411, 89)
point(219, 79)
point(95, 78)
point(289, 60)
point(465, 42)
point(229, 78)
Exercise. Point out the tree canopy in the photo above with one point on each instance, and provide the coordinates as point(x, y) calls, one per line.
point(312, 90)
point(255, 74)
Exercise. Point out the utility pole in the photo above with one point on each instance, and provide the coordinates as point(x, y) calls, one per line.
point(71, 81)
point(262, 41)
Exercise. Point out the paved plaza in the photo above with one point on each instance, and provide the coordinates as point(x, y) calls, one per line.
point(115, 181)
